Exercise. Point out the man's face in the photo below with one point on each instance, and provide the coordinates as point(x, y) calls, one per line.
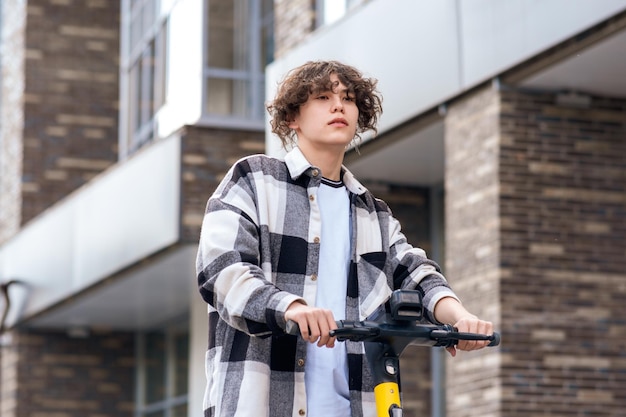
point(328, 118)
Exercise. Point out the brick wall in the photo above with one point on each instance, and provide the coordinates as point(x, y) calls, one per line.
point(206, 156)
point(49, 374)
point(535, 227)
point(70, 97)
point(563, 214)
point(472, 240)
point(294, 20)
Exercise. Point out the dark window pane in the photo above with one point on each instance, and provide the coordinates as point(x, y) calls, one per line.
point(155, 367)
point(227, 97)
point(180, 411)
point(181, 355)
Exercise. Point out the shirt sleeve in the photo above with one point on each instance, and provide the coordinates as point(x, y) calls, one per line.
point(413, 270)
point(230, 278)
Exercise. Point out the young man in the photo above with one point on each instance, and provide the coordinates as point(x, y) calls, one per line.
point(301, 239)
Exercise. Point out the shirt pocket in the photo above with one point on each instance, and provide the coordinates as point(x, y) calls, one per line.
point(375, 259)
point(374, 286)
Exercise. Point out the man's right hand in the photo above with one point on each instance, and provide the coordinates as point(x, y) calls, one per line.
point(315, 323)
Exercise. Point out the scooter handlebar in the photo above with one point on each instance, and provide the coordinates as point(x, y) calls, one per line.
point(418, 334)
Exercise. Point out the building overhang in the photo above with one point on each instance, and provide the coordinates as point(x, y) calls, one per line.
point(106, 255)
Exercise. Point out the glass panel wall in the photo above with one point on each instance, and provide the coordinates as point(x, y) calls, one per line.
point(144, 57)
point(163, 372)
point(239, 45)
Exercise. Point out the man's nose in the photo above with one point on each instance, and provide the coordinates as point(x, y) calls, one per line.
point(337, 104)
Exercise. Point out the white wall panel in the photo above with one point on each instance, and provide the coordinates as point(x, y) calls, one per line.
point(499, 34)
point(127, 213)
point(183, 104)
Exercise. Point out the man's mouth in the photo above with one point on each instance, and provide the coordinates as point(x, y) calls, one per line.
point(339, 120)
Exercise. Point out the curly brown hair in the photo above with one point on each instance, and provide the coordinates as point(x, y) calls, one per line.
point(314, 77)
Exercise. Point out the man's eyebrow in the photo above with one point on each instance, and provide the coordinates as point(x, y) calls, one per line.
point(333, 89)
point(343, 90)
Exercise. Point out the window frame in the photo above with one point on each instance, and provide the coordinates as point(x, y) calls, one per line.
point(141, 96)
point(258, 20)
point(171, 400)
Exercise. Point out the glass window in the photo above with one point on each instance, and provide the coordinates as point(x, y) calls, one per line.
point(180, 411)
point(181, 363)
point(267, 32)
point(224, 18)
point(162, 372)
point(239, 45)
point(329, 11)
point(228, 97)
point(155, 367)
point(144, 53)
point(155, 414)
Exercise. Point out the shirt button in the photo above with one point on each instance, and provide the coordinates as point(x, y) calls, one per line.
point(315, 172)
point(313, 277)
point(316, 240)
point(302, 412)
point(311, 197)
point(300, 362)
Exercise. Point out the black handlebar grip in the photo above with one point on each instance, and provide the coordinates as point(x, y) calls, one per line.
point(496, 339)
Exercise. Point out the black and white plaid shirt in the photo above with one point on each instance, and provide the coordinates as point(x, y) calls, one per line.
point(259, 252)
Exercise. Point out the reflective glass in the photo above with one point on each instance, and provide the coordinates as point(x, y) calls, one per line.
point(155, 356)
point(227, 97)
point(181, 358)
point(228, 34)
point(180, 411)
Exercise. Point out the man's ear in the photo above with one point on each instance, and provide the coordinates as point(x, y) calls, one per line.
point(293, 124)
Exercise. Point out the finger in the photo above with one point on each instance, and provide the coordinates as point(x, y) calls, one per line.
point(485, 328)
point(333, 326)
point(327, 322)
point(324, 334)
point(466, 326)
point(314, 330)
point(477, 327)
point(304, 329)
point(466, 345)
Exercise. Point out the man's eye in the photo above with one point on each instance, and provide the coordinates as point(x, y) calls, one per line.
point(322, 97)
point(349, 98)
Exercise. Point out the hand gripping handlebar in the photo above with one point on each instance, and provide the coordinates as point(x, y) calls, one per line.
point(411, 333)
point(415, 334)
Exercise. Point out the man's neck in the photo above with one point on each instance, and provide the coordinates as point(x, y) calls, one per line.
point(327, 159)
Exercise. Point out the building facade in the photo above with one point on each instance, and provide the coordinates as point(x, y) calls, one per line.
point(515, 111)
point(502, 150)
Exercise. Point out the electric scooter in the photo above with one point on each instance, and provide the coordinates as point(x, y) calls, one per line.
point(387, 333)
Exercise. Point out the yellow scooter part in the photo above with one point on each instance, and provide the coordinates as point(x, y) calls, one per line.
point(386, 394)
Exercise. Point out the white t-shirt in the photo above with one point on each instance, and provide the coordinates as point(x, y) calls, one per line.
point(326, 369)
